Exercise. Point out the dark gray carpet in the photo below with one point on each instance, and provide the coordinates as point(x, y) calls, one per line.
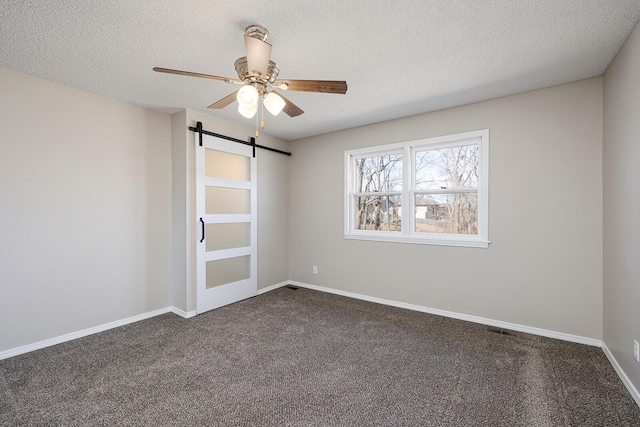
point(305, 358)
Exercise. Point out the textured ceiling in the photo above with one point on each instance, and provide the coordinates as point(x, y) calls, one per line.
point(399, 58)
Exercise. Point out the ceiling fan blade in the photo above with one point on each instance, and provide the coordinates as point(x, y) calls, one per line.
point(258, 55)
point(221, 103)
point(290, 109)
point(189, 73)
point(324, 86)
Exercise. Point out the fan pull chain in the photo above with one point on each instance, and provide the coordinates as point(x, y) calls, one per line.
point(257, 133)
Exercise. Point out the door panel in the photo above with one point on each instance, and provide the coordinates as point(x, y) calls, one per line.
point(228, 270)
point(221, 164)
point(221, 200)
point(228, 235)
point(226, 210)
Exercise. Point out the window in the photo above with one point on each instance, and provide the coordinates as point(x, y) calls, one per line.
point(431, 191)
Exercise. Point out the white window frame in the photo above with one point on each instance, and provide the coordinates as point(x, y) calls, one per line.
point(408, 150)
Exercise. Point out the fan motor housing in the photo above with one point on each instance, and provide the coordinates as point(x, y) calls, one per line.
point(248, 77)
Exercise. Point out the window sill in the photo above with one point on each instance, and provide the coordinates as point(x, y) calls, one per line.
point(420, 241)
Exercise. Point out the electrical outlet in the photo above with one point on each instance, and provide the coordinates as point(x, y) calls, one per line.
point(636, 351)
point(315, 269)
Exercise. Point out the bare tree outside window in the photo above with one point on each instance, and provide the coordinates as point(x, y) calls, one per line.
point(446, 187)
point(378, 193)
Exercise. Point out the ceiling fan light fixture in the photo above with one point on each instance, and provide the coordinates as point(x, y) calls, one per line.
point(248, 112)
point(274, 103)
point(248, 97)
point(257, 74)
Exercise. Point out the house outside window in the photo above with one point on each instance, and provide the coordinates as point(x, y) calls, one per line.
point(429, 191)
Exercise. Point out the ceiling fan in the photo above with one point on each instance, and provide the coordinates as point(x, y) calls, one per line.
point(258, 75)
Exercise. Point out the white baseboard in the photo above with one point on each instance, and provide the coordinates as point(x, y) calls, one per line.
point(181, 313)
point(79, 334)
point(497, 323)
point(100, 328)
point(459, 316)
point(272, 287)
point(623, 376)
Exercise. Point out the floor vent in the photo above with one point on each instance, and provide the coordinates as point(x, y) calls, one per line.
point(293, 288)
point(502, 332)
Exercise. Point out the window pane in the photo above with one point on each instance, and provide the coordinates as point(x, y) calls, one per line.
point(382, 213)
point(453, 213)
point(454, 167)
point(380, 173)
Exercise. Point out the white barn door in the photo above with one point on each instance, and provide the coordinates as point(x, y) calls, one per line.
point(226, 204)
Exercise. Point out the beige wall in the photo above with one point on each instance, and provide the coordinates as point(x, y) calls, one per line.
point(621, 206)
point(273, 204)
point(544, 265)
point(84, 209)
point(179, 191)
